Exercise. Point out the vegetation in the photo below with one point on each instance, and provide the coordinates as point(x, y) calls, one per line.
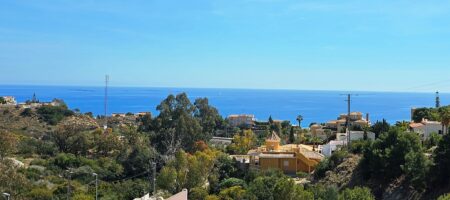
point(396, 153)
point(175, 144)
point(2, 100)
point(329, 163)
point(54, 114)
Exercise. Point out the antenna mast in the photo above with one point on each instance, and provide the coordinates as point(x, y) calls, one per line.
point(438, 101)
point(347, 119)
point(105, 126)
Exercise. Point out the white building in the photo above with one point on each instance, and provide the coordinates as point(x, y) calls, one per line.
point(241, 120)
point(183, 195)
point(10, 100)
point(341, 140)
point(425, 128)
point(331, 147)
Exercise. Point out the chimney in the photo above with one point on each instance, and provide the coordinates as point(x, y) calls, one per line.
point(367, 117)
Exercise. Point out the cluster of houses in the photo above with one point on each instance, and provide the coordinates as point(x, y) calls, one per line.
point(293, 158)
point(11, 101)
point(123, 115)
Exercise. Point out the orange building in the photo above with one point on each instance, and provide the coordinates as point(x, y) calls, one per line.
point(289, 158)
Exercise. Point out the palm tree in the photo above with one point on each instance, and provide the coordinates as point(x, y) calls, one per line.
point(403, 125)
point(300, 119)
point(315, 140)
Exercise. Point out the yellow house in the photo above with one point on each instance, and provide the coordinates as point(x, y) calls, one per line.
point(289, 158)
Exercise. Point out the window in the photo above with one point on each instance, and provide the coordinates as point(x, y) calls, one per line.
point(286, 163)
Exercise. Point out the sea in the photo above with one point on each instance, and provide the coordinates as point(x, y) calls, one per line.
point(314, 106)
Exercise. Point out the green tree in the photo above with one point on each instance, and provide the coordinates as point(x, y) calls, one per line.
point(177, 113)
point(292, 135)
point(70, 138)
point(285, 188)
point(441, 157)
point(386, 155)
point(242, 142)
point(208, 116)
point(444, 116)
point(416, 169)
point(380, 127)
point(424, 113)
point(433, 140)
point(186, 171)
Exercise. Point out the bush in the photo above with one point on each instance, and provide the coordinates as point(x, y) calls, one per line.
point(358, 147)
point(324, 192)
point(40, 194)
point(444, 197)
point(198, 193)
point(231, 182)
point(357, 193)
point(302, 174)
point(329, 163)
point(27, 112)
point(54, 114)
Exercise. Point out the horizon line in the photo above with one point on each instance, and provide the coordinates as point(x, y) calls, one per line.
point(223, 88)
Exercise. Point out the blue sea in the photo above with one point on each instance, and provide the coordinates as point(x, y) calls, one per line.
point(314, 106)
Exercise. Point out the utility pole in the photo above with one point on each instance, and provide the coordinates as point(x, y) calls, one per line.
point(154, 178)
point(96, 185)
point(105, 126)
point(347, 119)
point(68, 185)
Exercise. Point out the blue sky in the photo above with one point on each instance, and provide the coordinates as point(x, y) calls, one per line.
point(276, 44)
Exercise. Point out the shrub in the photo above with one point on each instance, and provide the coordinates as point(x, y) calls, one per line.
point(302, 174)
point(357, 193)
point(444, 197)
point(198, 193)
point(27, 112)
point(330, 163)
point(40, 194)
point(358, 147)
point(231, 182)
point(54, 114)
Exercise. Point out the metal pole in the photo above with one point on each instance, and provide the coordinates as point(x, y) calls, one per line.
point(96, 185)
point(7, 195)
point(154, 178)
point(348, 117)
point(68, 185)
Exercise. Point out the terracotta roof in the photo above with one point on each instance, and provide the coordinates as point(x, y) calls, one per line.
point(415, 125)
point(273, 137)
point(277, 155)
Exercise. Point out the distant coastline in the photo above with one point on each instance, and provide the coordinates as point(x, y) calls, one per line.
point(315, 106)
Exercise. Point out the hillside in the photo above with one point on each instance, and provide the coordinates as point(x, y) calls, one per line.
point(348, 174)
